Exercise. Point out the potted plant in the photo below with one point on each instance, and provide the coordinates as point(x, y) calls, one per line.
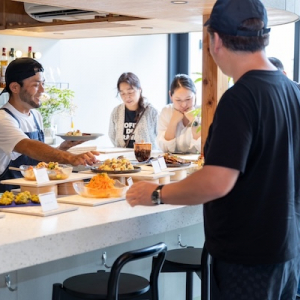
point(55, 101)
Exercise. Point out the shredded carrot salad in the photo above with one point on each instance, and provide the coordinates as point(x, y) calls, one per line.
point(101, 182)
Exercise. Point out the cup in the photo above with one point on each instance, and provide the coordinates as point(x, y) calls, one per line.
point(142, 151)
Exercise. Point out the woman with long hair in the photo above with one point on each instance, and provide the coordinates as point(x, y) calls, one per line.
point(135, 120)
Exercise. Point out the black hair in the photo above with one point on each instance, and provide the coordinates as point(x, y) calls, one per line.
point(244, 43)
point(182, 80)
point(134, 82)
point(277, 63)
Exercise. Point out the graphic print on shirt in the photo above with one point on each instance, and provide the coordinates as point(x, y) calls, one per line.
point(129, 125)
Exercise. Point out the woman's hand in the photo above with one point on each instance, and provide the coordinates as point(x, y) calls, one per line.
point(190, 116)
point(177, 116)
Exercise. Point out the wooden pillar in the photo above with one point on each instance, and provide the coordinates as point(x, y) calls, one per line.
point(214, 84)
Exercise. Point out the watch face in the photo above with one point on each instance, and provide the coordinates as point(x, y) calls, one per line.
point(154, 195)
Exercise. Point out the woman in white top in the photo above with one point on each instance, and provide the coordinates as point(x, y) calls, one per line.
point(178, 129)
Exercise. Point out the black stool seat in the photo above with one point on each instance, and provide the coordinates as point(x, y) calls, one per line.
point(87, 285)
point(182, 260)
point(115, 285)
point(187, 260)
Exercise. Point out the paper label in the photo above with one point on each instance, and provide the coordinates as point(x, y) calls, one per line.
point(41, 175)
point(129, 181)
point(162, 163)
point(48, 201)
point(156, 166)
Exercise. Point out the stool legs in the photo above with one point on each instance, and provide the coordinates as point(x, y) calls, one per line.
point(189, 286)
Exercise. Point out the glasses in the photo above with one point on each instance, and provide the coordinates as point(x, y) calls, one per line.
point(130, 93)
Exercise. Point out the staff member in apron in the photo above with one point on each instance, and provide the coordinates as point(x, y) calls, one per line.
point(21, 133)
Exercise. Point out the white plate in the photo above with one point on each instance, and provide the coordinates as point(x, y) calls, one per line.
point(85, 137)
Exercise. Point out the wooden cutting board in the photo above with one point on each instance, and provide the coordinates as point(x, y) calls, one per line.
point(37, 210)
point(33, 183)
point(79, 200)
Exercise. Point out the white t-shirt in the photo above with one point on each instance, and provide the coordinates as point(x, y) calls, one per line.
point(12, 133)
point(183, 142)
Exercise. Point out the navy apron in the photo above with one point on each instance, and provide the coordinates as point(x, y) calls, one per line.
point(22, 159)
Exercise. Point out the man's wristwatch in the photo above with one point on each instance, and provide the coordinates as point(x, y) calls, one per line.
point(156, 195)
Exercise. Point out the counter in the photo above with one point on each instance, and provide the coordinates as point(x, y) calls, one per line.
point(28, 241)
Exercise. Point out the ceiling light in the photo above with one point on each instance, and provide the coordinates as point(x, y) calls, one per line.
point(179, 2)
point(146, 27)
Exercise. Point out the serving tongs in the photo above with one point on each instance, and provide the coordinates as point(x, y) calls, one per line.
point(15, 169)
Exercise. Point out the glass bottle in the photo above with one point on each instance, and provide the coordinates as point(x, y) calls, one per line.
point(11, 55)
point(3, 64)
point(30, 53)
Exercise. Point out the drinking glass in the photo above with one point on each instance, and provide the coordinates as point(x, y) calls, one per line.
point(142, 151)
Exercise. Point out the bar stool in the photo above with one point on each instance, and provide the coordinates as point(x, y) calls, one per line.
point(115, 285)
point(190, 260)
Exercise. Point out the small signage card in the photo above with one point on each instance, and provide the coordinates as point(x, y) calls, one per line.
point(41, 175)
point(129, 181)
point(48, 201)
point(162, 163)
point(156, 166)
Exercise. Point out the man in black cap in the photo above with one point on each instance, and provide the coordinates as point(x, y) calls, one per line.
point(250, 182)
point(21, 134)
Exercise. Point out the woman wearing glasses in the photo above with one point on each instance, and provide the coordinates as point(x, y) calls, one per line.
point(135, 120)
point(178, 128)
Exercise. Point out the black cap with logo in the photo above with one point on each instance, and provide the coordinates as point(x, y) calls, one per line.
point(20, 69)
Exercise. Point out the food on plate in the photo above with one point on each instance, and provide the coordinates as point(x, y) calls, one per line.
point(200, 161)
point(35, 198)
point(74, 133)
point(7, 198)
point(23, 198)
point(101, 182)
point(55, 171)
point(116, 164)
point(173, 159)
point(100, 186)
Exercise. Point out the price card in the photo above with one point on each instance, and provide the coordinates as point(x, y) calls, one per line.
point(162, 163)
point(156, 166)
point(41, 175)
point(129, 181)
point(48, 201)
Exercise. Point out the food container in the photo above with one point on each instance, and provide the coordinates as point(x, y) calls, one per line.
point(60, 173)
point(119, 190)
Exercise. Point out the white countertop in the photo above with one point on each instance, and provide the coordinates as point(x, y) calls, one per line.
point(29, 240)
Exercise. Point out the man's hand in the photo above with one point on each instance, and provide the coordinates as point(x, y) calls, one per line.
point(87, 158)
point(66, 145)
point(140, 193)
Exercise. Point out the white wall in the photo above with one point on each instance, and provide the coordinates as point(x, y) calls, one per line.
point(92, 68)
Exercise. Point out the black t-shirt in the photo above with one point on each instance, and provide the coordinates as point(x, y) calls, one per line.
point(129, 125)
point(256, 130)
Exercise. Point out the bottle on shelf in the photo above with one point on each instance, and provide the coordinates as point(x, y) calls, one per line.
point(3, 64)
point(30, 53)
point(11, 55)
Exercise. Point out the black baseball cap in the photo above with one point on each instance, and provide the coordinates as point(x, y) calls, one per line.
point(20, 69)
point(227, 16)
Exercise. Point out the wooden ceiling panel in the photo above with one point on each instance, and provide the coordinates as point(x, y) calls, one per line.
point(144, 17)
